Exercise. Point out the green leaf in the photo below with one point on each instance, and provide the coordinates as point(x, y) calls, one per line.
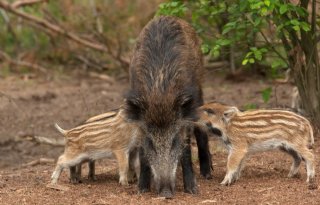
point(296, 28)
point(224, 42)
point(258, 55)
point(251, 60)
point(245, 61)
point(250, 106)
point(266, 94)
point(267, 2)
point(226, 30)
point(263, 50)
point(205, 49)
point(264, 11)
point(295, 22)
point(305, 26)
point(283, 9)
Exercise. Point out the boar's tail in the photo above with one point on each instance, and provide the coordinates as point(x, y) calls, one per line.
point(62, 131)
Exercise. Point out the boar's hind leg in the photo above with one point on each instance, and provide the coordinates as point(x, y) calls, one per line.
point(145, 173)
point(92, 170)
point(203, 153)
point(189, 181)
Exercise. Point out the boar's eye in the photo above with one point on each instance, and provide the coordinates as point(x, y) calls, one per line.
point(175, 143)
point(209, 111)
point(149, 144)
point(186, 108)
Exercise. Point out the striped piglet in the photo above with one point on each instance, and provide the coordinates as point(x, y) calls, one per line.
point(248, 132)
point(97, 138)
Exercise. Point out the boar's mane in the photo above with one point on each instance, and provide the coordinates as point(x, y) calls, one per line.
point(165, 73)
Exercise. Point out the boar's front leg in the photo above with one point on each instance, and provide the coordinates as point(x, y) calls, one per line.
point(189, 181)
point(145, 173)
point(203, 153)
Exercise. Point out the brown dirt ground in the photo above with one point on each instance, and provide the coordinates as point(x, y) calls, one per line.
point(30, 107)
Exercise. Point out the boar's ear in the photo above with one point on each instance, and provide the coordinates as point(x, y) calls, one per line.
point(229, 113)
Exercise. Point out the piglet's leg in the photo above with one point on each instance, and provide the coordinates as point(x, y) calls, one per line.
point(234, 166)
point(309, 159)
point(92, 170)
point(123, 163)
point(57, 171)
point(78, 172)
point(73, 174)
point(134, 165)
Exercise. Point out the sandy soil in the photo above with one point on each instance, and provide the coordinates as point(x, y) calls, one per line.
point(30, 107)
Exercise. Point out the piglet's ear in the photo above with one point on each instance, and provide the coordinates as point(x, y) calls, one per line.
point(230, 113)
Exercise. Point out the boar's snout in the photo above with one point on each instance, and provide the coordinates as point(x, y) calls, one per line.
point(167, 193)
point(166, 188)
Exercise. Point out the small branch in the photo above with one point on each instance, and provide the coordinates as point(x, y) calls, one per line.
point(7, 58)
point(268, 42)
point(22, 3)
point(50, 141)
point(57, 29)
point(39, 161)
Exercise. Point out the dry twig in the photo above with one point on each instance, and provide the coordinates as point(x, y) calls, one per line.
point(22, 3)
point(39, 161)
point(7, 58)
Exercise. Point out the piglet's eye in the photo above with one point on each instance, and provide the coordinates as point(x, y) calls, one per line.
point(209, 111)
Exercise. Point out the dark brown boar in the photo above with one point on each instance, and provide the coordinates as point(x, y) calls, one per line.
point(165, 91)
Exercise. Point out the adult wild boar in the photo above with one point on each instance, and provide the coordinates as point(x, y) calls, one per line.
point(164, 94)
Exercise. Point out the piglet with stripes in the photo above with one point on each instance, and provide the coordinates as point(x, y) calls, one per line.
point(248, 132)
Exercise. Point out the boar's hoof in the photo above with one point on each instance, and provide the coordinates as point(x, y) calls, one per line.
point(93, 178)
point(166, 193)
point(192, 190)
point(207, 176)
point(144, 190)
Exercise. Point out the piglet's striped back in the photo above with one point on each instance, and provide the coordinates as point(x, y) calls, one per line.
point(271, 123)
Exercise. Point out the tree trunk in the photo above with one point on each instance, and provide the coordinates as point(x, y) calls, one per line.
point(304, 62)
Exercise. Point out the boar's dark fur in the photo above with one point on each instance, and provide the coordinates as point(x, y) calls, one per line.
point(165, 91)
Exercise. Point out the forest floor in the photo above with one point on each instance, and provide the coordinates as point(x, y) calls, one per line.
point(29, 106)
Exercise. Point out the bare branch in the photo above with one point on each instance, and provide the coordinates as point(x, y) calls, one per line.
point(7, 58)
point(267, 41)
point(57, 29)
point(50, 141)
point(39, 161)
point(18, 4)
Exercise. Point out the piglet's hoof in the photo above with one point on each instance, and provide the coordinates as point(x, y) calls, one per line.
point(145, 190)
point(312, 185)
